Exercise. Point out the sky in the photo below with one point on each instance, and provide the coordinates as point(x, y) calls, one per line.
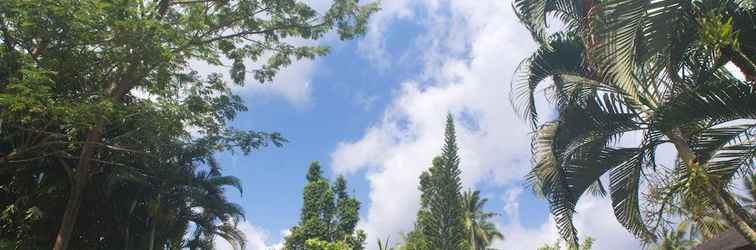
point(373, 110)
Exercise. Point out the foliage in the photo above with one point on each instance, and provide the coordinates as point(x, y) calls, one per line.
point(315, 244)
point(653, 69)
point(481, 232)
point(101, 110)
point(414, 240)
point(384, 245)
point(441, 216)
point(678, 239)
point(329, 216)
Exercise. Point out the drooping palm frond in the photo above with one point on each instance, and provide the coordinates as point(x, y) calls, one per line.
point(563, 53)
point(709, 141)
point(534, 14)
point(625, 187)
point(233, 235)
point(548, 179)
point(716, 101)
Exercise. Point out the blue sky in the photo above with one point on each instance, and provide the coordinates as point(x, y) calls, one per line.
point(373, 110)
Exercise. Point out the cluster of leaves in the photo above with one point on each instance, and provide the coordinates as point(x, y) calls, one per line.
point(328, 218)
point(654, 69)
point(104, 121)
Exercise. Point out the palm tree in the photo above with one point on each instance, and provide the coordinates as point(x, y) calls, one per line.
point(678, 239)
point(649, 68)
point(384, 245)
point(481, 232)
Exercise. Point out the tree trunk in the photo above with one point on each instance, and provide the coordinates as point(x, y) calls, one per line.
point(71, 213)
point(740, 223)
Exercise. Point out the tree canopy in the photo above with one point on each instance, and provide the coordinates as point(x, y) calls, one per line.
point(328, 217)
point(99, 99)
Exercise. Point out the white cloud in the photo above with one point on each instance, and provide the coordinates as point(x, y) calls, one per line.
point(594, 218)
point(512, 204)
point(256, 238)
point(474, 87)
point(291, 82)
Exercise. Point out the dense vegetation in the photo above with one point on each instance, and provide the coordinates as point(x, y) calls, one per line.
point(448, 218)
point(654, 69)
point(104, 122)
point(328, 218)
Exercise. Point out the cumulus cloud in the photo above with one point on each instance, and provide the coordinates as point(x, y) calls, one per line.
point(594, 218)
point(494, 146)
point(293, 82)
point(469, 51)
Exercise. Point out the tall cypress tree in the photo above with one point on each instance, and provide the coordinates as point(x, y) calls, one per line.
point(441, 217)
point(328, 215)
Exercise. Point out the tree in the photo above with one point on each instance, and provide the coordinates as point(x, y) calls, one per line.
point(72, 73)
point(441, 216)
point(314, 244)
point(414, 240)
point(666, 81)
point(678, 239)
point(480, 231)
point(329, 216)
point(384, 245)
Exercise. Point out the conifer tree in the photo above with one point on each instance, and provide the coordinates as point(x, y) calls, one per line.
point(440, 219)
point(328, 215)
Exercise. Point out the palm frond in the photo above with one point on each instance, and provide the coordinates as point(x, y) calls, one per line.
point(534, 14)
point(562, 54)
point(715, 101)
point(624, 186)
point(630, 32)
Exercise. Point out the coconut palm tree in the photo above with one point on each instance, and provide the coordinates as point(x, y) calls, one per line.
point(663, 79)
point(481, 232)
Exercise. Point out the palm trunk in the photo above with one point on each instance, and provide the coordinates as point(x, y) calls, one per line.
point(71, 214)
point(740, 223)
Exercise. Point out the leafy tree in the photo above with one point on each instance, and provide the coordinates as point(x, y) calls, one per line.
point(328, 217)
point(97, 86)
point(480, 231)
point(314, 244)
point(441, 216)
point(414, 240)
point(654, 68)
